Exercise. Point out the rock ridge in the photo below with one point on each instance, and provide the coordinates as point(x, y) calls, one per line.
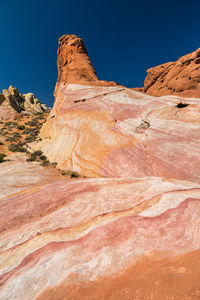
point(181, 77)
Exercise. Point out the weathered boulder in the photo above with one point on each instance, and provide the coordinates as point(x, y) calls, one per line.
point(181, 77)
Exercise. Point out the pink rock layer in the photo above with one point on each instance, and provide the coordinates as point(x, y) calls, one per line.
point(134, 235)
point(117, 132)
point(61, 240)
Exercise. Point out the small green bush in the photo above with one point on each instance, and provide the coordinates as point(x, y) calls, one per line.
point(32, 158)
point(43, 157)
point(1, 143)
point(27, 130)
point(16, 148)
point(37, 153)
point(32, 123)
point(29, 139)
point(2, 156)
point(20, 127)
point(11, 139)
point(45, 163)
point(5, 133)
point(74, 174)
point(11, 123)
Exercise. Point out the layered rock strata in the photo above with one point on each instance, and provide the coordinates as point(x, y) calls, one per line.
point(134, 235)
point(101, 239)
point(117, 132)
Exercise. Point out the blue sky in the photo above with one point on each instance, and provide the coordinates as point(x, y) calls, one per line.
point(123, 38)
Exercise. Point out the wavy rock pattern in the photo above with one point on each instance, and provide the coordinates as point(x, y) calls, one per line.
point(134, 235)
point(117, 132)
point(68, 235)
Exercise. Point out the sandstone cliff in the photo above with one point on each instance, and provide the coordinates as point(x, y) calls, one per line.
point(181, 77)
point(12, 103)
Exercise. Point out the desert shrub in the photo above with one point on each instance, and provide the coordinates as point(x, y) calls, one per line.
point(37, 153)
point(32, 158)
point(11, 139)
point(16, 134)
point(2, 156)
point(72, 174)
point(43, 157)
point(63, 173)
point(16, 148)
point(27, 130)
point(20, 127)
point(29, 139)
point(11, 123)
point(32, 123)
point(5, 133)
point(1, 143)
point(45, 163)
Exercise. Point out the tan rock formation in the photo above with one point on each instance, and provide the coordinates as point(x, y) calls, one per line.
point(176, 78)
point(13, 103)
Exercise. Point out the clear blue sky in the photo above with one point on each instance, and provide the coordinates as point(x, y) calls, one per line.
point(123, 38)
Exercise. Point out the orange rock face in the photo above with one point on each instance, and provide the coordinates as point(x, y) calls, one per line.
point(130, 233)
point(176, 78)
point(73, 62)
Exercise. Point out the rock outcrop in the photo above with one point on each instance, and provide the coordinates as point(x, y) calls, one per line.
point(176, 78)
point(117, 132)
point(12, 103)
point(74, 64)
point(131, 233)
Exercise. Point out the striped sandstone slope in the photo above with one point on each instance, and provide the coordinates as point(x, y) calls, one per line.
point(130, 233)
point(113, 131)
point(117, 132)
point(101, 239)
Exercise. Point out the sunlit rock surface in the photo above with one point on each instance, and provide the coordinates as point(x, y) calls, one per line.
point(181, 77)
point(132, 231)
point(101, 238)
point(13, 103)
point(117, 132)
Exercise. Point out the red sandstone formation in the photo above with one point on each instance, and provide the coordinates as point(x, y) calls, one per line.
point(181, 77)
point(134, 235)
point(74, 64)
